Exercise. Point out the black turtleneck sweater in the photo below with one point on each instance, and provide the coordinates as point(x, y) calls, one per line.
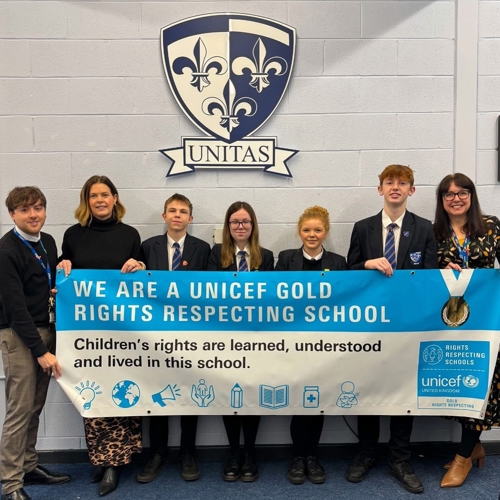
point(101, 245)
point(24, 288)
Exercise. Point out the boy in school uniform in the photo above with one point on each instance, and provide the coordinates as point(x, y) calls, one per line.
point(392, 239)
point(176, 250)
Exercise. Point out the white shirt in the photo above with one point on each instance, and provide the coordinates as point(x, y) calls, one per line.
point(238, 257)
point(386, 220)
point(29, 237)
point(171, 249)
point(308, 257)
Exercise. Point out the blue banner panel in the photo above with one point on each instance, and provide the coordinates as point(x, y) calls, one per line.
point(357, 342)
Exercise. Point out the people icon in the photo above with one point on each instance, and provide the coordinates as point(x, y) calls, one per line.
point(202, 395)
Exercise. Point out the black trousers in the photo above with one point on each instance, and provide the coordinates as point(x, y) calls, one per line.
point(470, 437)
point(158, 434)
point(306, 433)
point(399, 442)
point(250, 426)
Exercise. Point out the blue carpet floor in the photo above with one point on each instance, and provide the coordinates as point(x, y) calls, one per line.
point(482, 484)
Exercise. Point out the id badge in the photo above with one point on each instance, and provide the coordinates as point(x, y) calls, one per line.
point(52, 314)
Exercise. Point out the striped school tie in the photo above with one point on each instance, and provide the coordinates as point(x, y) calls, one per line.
point(176, 259)
point(390, 245)
point(242, 266)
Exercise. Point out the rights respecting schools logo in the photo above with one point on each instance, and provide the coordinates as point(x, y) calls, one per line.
point(228, 73)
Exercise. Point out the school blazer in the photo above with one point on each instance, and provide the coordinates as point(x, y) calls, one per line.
point(194, 254)
point(417, 245)
point(215, 265)
point(292, 260)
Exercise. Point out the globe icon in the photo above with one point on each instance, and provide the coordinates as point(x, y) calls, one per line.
point(471, 381)
point(126, 394)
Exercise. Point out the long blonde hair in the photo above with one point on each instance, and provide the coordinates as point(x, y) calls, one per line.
point(227, 250)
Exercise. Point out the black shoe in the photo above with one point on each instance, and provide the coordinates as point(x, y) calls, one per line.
point(315, 471)
point(190, 471)
point(249, 471)
point(98, 474)
point(232, 469)
point(297, 471)
point(151, 469)
point(403, 472)
point(359, 468)
point(41, 475)
point(19, 494)
point(110, 480)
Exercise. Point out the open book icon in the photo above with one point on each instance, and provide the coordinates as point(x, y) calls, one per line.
point(273, 397)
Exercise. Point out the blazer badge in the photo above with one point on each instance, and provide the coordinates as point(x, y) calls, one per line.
point(416, 257)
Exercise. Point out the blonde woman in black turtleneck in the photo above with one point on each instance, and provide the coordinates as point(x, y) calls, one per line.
point(313, 228)
point(101, 241)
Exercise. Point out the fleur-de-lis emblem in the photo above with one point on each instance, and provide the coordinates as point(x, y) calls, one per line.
point(260, 67)
point(200, 65)
point(231, 108)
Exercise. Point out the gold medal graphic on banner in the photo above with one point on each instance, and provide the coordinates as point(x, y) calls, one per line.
point(455, 312)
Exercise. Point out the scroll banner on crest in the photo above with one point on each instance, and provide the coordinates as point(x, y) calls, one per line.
point(336, 343)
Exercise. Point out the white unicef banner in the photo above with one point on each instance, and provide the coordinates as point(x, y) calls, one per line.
point(157, 342)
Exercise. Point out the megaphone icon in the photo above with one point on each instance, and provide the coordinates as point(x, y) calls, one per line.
point(166, 394)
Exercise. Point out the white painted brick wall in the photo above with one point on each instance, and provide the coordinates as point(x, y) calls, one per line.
point(426, 57)
point(82, 91)
point(15, 57)
point(361, 57)
point(70, 133)
point(489, 56)
point(397, 20)
point(325, 19)
point(16, 134)
point(111, 58)
point(488, 110)
point(33, 20)
point(104, 21)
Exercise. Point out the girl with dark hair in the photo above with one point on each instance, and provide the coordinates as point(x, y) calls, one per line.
point(101, 241)
point(313, 228)
point(240, 251)
point(467, 239)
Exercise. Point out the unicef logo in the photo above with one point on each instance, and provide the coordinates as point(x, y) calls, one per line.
point(471, 381)
point(432, 354)
point(126, 394)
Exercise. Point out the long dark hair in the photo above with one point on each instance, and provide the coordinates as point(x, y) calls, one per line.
point(474, 225)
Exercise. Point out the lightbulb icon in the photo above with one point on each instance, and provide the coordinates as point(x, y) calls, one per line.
point(88, 392)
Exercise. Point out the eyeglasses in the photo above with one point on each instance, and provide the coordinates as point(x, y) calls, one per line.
point(462, 195)
point(245, 224)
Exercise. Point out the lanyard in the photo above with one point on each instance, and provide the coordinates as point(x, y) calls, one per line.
point(463, 250)
point(46, 268)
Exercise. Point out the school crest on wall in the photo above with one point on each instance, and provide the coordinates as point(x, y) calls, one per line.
point(228, 73)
